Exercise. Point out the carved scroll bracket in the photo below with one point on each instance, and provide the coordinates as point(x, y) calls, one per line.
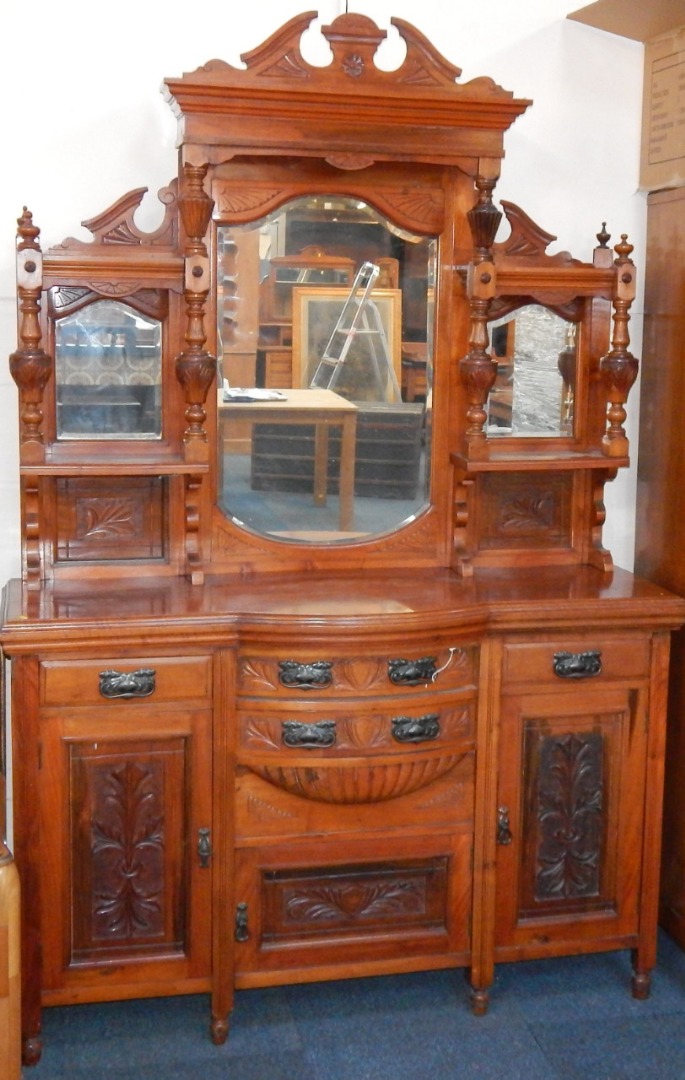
point(30, 365)
point(478, 370)
point(619, 367)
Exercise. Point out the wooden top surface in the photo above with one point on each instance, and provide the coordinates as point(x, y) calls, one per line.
point(158, 612)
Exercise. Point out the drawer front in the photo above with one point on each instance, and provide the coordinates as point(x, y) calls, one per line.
point(323, 673)
point(109, 680)
point(289, 734)
point(575, 660)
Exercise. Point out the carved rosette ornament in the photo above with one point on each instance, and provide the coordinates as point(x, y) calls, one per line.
point(195, 367)
point(30, 365)
point(478, 370)
point(619, 367)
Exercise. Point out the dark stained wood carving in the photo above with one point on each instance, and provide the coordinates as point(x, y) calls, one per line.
point(521, 509)
point(357, 898)
point(110, 518)
point(570, 817)
point(124, 829)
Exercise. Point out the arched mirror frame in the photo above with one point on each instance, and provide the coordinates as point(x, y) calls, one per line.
point(318, 130)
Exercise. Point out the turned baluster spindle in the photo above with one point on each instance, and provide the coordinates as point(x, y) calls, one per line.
point(195, 367)
point(477, 369)
point(619, 367)
point(30, 365)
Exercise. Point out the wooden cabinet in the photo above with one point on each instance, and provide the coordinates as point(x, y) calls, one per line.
point(661, 499)
point(264, 734)
point(571, 789)
point(122, 777)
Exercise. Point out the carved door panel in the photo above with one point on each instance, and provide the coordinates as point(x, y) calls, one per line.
point(570, 812)
point(393, 904)
point(126, 866)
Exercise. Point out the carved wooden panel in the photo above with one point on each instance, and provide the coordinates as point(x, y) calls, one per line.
point(571, 793)
point(127, 841)
point(568, 816)
point(354, 899)
point(111, 518)
point(525, 510)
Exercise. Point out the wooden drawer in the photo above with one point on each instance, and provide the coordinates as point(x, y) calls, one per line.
point(571, 660)
point(109, 680)
point(312, 674)
point(371, 732)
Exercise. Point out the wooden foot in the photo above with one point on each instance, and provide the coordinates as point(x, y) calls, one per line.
point(480, 1000)
point(641, 984)
point(218, 1030)
point(31, 1049)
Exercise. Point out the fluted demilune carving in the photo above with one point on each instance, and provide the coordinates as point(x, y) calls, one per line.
point(30, 365)
point(619, 367)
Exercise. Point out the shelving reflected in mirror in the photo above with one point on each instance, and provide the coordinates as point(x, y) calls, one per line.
point(533, 393)
point(325, 331)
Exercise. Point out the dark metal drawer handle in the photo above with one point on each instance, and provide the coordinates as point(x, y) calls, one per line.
point(503, 826)
point(584, 665)
point(314, 736)
point(313, 676)
point(127, 684)
point(414, 729)
point(412, 672)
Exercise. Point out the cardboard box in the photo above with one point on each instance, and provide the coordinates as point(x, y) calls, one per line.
point(662, 157)
point(660, 24)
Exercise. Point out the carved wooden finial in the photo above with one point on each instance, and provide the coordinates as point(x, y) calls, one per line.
point(27, 232)
point(603, 236)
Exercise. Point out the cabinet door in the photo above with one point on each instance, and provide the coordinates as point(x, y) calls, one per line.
point(125, 872)
point(570, 819)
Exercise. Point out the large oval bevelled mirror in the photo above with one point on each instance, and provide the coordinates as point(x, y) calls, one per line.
point(325, 313)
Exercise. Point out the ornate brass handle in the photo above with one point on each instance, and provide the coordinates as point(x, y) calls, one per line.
point(412, 672)
point(584, 665)
point(303, 736)
point(127, 684)
point(316, 675)
point(415, 729)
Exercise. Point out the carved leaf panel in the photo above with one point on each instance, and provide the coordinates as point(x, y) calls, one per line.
point(111, 518)
point(354, 899)
point(128, 887)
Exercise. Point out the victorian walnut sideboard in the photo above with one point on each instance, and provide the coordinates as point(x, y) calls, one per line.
point(276, 719)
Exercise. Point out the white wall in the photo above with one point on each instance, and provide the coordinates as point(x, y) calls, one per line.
point(85, 122)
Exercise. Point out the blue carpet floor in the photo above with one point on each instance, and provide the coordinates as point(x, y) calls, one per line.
point(568, 1019)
